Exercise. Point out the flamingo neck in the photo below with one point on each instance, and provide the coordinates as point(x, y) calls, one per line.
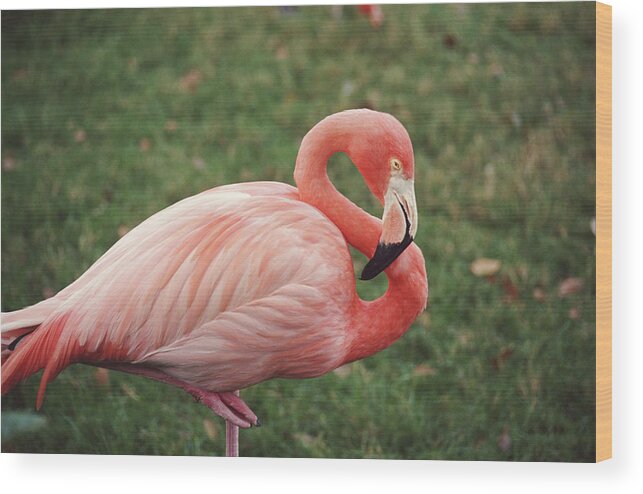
point(373, 325)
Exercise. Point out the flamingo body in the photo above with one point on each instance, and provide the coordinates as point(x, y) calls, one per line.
point(245, 282)
point(224, 289)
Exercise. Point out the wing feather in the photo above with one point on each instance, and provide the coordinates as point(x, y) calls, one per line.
point(222, 281)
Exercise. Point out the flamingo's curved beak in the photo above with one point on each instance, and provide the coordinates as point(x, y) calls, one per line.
point(399, 226)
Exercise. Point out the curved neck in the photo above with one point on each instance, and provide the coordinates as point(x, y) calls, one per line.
point(374, 325)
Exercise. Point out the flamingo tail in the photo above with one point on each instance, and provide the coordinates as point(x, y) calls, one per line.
point(30, 342)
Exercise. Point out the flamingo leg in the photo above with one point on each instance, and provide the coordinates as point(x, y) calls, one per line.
point(232, 434)
point(227, 405)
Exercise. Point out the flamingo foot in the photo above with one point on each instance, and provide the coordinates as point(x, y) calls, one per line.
point(227, 404)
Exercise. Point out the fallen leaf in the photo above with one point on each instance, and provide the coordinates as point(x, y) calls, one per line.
point(282, 53)
point(48, 292)
point(574, 313)
point(8, 163)
point(499, 360)
point(422, 370)
point(449, 41)
point(144, 144)
point(306, 440)
point(343, 371)
point(80, 135)
point(496, 70)
point(539, 294)
point(129, 391)
point(570, 286)
point(102, 376)
point(20, 74)
point(171, 125)
point(504, 440)
point(246, 175)
point(424, 319)
point(485, 267)
point(210, 429)
point(511, 291)
point(122, 231)
point(191, 81)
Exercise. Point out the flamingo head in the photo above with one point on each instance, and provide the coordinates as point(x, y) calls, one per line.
point(382, 151)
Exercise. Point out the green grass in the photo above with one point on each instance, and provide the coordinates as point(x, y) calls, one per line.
point(110, 116)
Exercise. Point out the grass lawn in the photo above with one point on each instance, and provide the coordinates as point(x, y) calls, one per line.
point(110, 116)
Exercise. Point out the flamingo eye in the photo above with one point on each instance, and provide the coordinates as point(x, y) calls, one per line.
point(396, 165)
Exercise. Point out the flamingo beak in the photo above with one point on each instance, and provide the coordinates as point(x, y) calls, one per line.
point(399, 226)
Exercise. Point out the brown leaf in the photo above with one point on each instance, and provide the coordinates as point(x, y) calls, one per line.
point(191, 81)
point(539, 294)
point(8, 163)
point(210, 429)
point(504, 440)
point(129, 391)
point(171, 125)
point(570, 286)
point(48, 292)
point(499, 360)
point(144, 144)
point(485, 267)
point(80, 135)
point(422, 370)
point(306, 440)
point(449, 41)
point(574, 313)
point(20, 74)
point(102, 376)
point(424, 319)
point(511, 291)
point(122, 231)
point(282, 53)
point(343, 371)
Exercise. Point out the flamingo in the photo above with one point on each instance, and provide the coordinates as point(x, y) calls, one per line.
point(244, 282)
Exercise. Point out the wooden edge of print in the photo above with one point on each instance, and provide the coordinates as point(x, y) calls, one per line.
point(603, 231)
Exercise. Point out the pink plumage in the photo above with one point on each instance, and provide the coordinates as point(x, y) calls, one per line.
point(243, 283)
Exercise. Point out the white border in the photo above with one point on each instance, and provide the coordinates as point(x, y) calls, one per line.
point(115, 474)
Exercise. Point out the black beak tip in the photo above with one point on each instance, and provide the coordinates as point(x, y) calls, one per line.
point(384, 256)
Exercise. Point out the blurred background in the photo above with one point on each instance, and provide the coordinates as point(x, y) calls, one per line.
point(111, 115)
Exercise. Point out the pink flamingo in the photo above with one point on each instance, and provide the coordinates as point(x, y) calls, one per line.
point(243, 282)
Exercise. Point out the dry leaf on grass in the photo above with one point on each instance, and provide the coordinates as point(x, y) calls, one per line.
point(102, 376)
point(504, 440)
point(80, 135)
point(145, 144)
point(191, 81)
point(123, 230)
point(422, 370)
point(343, 371)
point(485, 267)
point(499, 360)
point(210, 429)
point(570, 286)
point(539, 294)
point(129, 391)
point(511, 291)
point(8, 163)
